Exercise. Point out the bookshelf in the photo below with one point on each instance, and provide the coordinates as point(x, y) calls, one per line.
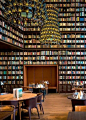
point(11, 68)
point(71, 59)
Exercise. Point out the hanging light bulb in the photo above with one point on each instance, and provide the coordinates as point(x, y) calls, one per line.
point(19, 9)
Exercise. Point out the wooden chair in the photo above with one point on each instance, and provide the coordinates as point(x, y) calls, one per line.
point(36, 90)
point(6, 112)
point(15, 103)
point(39, 101)
point(80, 108)
point(29, 104)
point(39, 90)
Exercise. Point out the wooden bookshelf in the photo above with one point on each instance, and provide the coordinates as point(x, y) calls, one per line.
point(71, 60)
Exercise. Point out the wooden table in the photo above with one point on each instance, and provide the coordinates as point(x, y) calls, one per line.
point(6, 111)
point(9, 97)
point(76, 116)
point(78, 89)
point(76, 102)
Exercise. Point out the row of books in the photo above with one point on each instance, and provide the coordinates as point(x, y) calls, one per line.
point(74, 36)
point(32, 29)
point(15, 62)
point(41, 46)
point(73, 29)
point(9, 34)
point(79, 67)
point(41, 58)
point(40, 62)
point(3, 62)
point(11, 40)
point(33, 24)
point(13, 58)
point(74, 41)
point(31, 41)
point(80, 9)
point(32, 36)
point(53, 52)
point(3, 67)
point(11, 62)
point(62, 0)
point(11, 72)
point(74, 46)
point(67, 19)
point(14, 82)
point(69, 24)
point(15, 67)
point(3, 58)
point(72, 53)
point(11, 68)
point(73, 4)
point(15, 72)
point(67, 14)
point(70, 82)
point(72, 77)
point(72, 58)
point(42, 53)
point(11, 29)
point(15, 77)
point(72, 72)
point(13, 53)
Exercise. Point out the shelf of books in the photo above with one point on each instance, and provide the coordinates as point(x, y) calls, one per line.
point(8, 32)
point(40, 57)
point(72, 21)
point(11, 67)
point(72, 66)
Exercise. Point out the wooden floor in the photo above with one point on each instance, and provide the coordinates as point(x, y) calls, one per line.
point(56, 107)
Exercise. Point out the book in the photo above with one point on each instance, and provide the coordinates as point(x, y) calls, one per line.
point(17, 92)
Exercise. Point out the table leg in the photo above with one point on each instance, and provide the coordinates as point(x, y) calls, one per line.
point(19, 111)
point(73, 106)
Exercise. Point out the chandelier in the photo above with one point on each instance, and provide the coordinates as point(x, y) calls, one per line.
point(50, 31)
point(19, 12)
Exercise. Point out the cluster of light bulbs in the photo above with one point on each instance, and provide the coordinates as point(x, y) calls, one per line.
point(50, 31)
point(20, 11)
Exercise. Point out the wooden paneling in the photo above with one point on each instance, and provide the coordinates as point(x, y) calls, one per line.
point(47, 74)
point(25, 76)
point(30, 75)
point(38, 73)
point(54, 76)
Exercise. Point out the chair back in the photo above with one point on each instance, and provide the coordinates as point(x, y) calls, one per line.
point(32, 102)
point(36, 90)
point(80, 108)
point(39, 97)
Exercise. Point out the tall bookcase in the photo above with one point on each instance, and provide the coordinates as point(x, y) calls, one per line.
point(71, 58)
